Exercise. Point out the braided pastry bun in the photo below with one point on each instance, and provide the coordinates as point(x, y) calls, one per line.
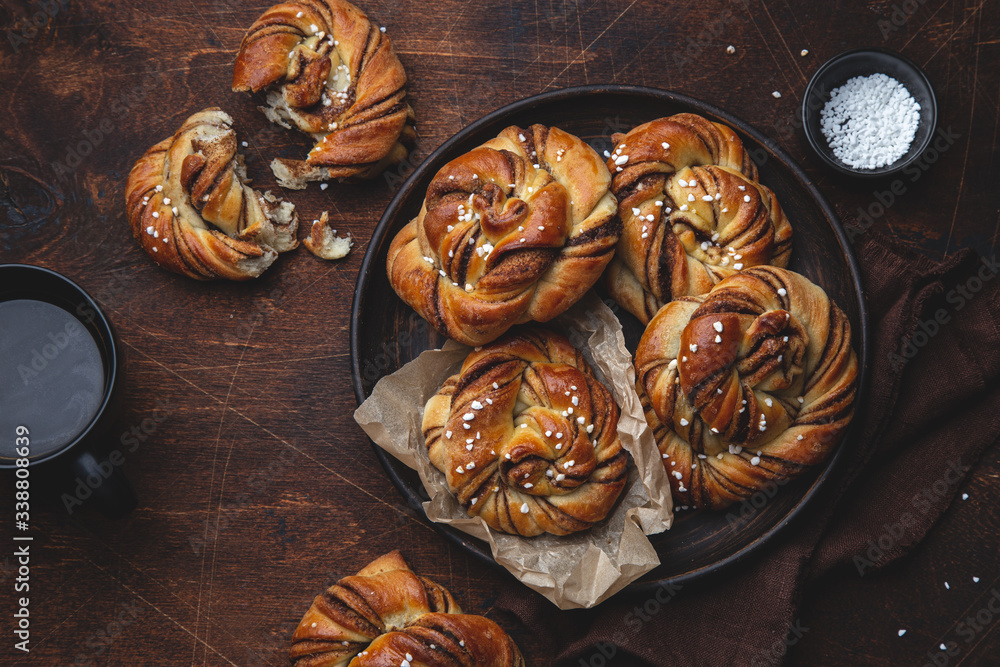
point(749, 384)
point(387, 615)
point(191, 210)
point(527, 437)
point(330, 72)
point(513, 231)
point(692, 213)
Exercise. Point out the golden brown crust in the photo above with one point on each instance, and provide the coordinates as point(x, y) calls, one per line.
point(191, 211)
point(692, 213)
point(330, 72)
point(747, 385)
point(527, 437)
point(513, 231)
point(385, 613)
point(691, 140)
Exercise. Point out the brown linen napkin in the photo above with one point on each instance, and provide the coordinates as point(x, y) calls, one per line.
point(932, 324)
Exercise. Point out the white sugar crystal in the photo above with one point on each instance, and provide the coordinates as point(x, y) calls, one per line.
point(870, 121)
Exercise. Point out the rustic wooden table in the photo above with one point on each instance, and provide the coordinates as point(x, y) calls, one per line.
point(256, 487)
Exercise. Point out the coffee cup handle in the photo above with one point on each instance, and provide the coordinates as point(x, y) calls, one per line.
point(113, 496)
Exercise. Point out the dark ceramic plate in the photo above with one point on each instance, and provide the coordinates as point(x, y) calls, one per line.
point(386, 333)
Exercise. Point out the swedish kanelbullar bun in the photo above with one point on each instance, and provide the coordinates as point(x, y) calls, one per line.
point(327, 70)
point(513, 231)
point(748, 385)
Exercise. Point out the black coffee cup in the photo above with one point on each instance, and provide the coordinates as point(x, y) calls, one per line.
point(59, 371)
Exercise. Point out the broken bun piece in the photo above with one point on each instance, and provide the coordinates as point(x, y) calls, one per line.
point(330, 72)
point(324, 242)
point(191, 210)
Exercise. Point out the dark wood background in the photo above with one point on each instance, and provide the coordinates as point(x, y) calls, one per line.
point(258, 489)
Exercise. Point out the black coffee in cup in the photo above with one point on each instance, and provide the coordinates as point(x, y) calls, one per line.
point(59, 373)
point(51, 375)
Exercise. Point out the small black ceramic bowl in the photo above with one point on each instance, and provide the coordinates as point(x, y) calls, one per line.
point(865, 62)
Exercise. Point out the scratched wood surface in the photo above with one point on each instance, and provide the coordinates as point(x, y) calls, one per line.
point(257, 489)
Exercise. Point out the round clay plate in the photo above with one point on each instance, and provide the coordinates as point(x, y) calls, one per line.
point(386, 333)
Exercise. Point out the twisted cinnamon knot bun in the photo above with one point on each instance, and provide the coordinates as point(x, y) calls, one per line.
point(527, 437)
point(692, 213)
point(749, 384)
point(333, 74)
point(513, 231)
point(387, 615)
point(191, 210)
